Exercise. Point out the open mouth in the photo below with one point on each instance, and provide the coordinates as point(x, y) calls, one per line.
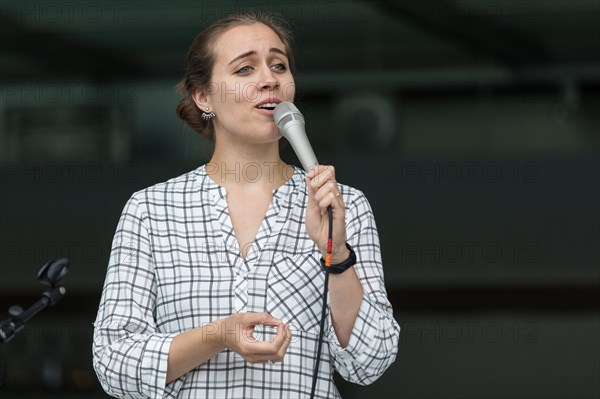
point(267, 106)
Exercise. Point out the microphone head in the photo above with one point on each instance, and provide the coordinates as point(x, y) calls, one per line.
point(286, 112)
point(290, 123)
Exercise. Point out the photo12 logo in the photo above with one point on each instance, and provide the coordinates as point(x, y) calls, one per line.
point(67, 93)
point(68, 173)
point(469, 172)
point(71, 12)
point(470, 252)
point(308, 12)
point(37, 253)
point(469, 332)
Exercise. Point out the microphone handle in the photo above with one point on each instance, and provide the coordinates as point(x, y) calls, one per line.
point(295, 134)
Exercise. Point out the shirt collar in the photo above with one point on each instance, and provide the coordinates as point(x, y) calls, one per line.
point(292, 184)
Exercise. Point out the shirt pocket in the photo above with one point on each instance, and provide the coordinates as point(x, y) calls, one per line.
point(295, 290)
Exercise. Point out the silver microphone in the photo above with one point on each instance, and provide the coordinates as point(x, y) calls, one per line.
point(290, 123)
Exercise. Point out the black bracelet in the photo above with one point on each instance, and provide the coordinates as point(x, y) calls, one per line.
point(341, 267)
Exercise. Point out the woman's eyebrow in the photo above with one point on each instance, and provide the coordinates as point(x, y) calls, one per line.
point(252, 52)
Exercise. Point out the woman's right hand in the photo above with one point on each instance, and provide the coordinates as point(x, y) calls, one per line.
point(237, 334)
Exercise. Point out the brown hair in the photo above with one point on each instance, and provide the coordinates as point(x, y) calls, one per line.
point(201, 59)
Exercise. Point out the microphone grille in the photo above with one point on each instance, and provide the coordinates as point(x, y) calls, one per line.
point(286, 112)
point(289, 117)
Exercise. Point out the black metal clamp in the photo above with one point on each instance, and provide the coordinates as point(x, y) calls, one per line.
point(52, 273)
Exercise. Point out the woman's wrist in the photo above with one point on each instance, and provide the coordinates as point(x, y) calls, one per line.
point(214, 335)
point(338, 255)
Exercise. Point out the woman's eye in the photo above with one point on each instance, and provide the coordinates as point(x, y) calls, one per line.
point(279, 67)
point(244, 70)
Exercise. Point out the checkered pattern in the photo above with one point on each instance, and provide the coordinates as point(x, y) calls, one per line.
point(175, 265)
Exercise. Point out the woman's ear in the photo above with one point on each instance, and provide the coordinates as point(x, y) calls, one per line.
point(200, 99)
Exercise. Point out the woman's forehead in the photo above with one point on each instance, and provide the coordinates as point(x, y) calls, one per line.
point(244, 38)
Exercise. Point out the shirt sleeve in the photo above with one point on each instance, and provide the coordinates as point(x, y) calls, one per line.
point(129, 355)
point(373, 344)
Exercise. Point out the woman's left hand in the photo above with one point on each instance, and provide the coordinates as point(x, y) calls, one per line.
point(323, 191)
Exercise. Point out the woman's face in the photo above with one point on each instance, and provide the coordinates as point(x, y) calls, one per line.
point(250, 75)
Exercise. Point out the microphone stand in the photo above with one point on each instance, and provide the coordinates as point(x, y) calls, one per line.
point(52, 273)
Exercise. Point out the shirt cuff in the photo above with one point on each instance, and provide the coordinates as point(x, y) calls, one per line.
point(363, 331)
point(155, 374)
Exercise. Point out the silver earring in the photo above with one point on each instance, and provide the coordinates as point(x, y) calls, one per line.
point(207, 115)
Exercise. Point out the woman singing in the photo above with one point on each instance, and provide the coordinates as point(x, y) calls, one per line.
point(215, 279)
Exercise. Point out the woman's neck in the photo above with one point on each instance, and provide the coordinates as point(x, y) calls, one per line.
point(248, 167)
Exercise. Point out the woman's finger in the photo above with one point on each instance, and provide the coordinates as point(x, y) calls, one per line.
point(321, 175)
point(264, 351)
point(283, 341)
point(330, 199)
point(330, 187)
point(317, 169)
point(286, 341)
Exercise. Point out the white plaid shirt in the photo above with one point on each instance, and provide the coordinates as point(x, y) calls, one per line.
point(175, 265)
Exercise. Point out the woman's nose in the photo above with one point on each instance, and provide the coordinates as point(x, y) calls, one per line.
point(269, 85)
point(268, 80)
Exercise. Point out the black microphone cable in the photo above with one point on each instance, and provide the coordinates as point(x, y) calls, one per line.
point(324, 309)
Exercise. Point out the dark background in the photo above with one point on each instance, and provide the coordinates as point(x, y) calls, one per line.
point(472, 127)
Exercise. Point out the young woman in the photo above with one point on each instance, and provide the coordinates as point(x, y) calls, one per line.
point(214, 283)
